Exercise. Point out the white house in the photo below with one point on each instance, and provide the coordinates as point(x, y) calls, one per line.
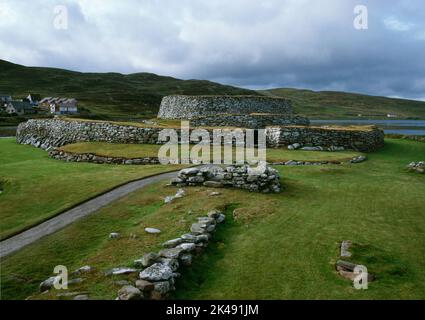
point(63, 106)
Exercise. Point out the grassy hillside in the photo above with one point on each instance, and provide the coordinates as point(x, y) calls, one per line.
point(114, 95)
point(110, 94)
point(343, 105)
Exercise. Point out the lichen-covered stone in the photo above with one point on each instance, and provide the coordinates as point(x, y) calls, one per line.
point(173, 263)
point(172, 253)
point(172, 243)
point(187, 247)
point(156, 272)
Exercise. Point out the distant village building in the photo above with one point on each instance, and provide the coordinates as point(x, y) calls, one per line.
point(391, 115)
point(45, 100)
point(63, 106)
point(4, 99)
point(20, 107)
point(59, 105)
point(34, 99)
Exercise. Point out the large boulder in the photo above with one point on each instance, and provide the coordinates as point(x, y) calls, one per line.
point(187, 247)
point(172, 243)
point(49, 283)
point(197, 228)
point(189, 172)
point(156, 272)
point(172, 263)
point(129, 293)
point(171, 253)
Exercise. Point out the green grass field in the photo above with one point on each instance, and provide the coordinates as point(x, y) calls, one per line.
point(36, 187)
point(275, 246)
point(151, 150)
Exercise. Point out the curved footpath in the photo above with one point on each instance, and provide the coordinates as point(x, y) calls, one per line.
point(52, 225)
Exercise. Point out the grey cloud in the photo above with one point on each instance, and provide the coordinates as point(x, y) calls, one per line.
point(256, 44)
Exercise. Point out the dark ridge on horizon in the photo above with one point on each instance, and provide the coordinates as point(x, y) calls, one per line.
point(113, 94)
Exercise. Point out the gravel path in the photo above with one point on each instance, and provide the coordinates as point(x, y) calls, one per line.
point(50, 226)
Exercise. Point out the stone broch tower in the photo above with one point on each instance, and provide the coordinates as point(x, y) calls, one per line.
point(230, 111)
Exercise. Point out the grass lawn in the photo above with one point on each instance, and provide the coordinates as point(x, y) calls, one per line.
point(274, 246)
point(37, 187)
point(151, 150)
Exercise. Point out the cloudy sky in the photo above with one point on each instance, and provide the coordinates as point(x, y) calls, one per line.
point(251, 43)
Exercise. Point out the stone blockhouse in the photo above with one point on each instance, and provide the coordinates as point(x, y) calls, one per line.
point(253, 112)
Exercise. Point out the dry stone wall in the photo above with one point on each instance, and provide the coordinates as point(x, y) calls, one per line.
point(252, 121)
point(367, 140)
point(192, 107)
point(49, 133)
point(93, 158)
point(160, 271)
point(262, 178)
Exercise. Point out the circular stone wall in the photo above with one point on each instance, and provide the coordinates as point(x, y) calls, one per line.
point(191, 107)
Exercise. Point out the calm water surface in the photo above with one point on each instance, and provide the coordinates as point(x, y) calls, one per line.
point(407, 127)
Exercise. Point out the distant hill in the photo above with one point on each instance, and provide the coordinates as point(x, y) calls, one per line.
point(109, 94)
point(137, 95)
point(343, 105)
